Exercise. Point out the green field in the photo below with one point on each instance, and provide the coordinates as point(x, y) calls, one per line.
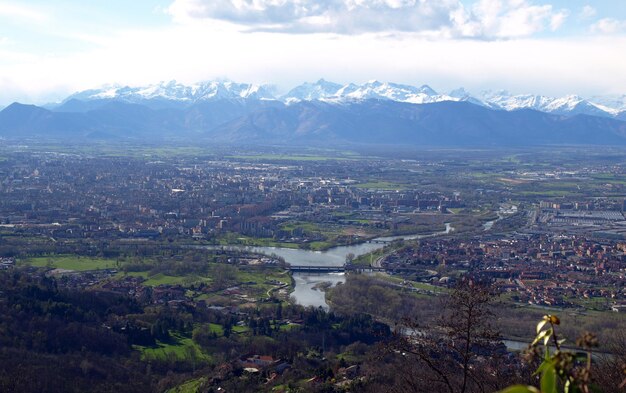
point(260, 279)
point(163, 279)
point(235, 238)
point(71, 262)
point(178, 348)
point(267, 242)
point(191, 386)
point(254, 281)
point(215, 328)
point(608, 178)
point(381, 185)
point(241, 329)
point(321, 246)
point(284, 157)
point(305, 226)
point(418, 285)
point(369, 258)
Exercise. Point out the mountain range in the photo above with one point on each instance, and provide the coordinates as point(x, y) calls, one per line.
point(322, 90)
point(321, 112)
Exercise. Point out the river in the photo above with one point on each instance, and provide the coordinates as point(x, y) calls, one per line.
point(502, 212)
point(304, 292)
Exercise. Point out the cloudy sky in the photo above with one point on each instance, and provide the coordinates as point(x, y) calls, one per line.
point(555, 47)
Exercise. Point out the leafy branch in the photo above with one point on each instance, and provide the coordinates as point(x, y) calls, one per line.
point(560, 370)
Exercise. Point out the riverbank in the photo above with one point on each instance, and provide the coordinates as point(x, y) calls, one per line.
point(230, 239)
point(303, 292)
point(312, 246)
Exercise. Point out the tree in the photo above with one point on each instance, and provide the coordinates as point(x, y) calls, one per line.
point(610, 367)
point(223, 275)
point(468, 325)
point(449, 354)
point(192, 355)
point(279, 312)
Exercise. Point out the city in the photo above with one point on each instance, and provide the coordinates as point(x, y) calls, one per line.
point(218, 239)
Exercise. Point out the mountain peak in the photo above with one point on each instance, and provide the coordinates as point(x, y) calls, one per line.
point(322, 89)
point(376, 113)
point(175, 93)
point(428, 90)
point(459, 93)
point(19, 107)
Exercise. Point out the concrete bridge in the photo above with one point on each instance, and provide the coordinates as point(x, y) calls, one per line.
point(349, 268)
point(316, 269)
point(379, 241)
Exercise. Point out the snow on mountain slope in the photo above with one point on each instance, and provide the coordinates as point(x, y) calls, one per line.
point(319, 90)
point(322, 90)
point(391, 91)
point(614, 101)
point(504, 100)
point(332, 92)
point(574, 104)
point(463, 95)
point(175, 91)
point(568, 105)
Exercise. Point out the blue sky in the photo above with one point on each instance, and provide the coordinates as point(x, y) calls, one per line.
point(556, 47)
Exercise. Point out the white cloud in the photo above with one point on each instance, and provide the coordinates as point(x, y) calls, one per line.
point(306, 16)
point(20, 11)
point(587, 12)
point(147, 56)
point(443, 18)
point(557, 20)
point(609, 26)
point(427, 45)
point(514, 19)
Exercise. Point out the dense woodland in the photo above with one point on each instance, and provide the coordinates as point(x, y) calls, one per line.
point(60, 340)
point(56, 340)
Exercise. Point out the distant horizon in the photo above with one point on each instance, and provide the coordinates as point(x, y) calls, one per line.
point(549, 47)
point(279, 92)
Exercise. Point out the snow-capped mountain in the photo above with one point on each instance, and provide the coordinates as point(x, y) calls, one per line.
point(315, 113)
point(323, 90)
point(502, 99)
point(611, 101)
point(461, 94)
point(174, 91)
point(333, 92)
point(568, 105)
point(391, 91)
point(320, 90)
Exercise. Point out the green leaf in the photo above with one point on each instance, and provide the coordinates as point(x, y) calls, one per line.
point(548, 380)
point(520, 389)
point(546, 363)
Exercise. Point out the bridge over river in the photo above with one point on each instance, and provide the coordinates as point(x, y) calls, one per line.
point(350, 268)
